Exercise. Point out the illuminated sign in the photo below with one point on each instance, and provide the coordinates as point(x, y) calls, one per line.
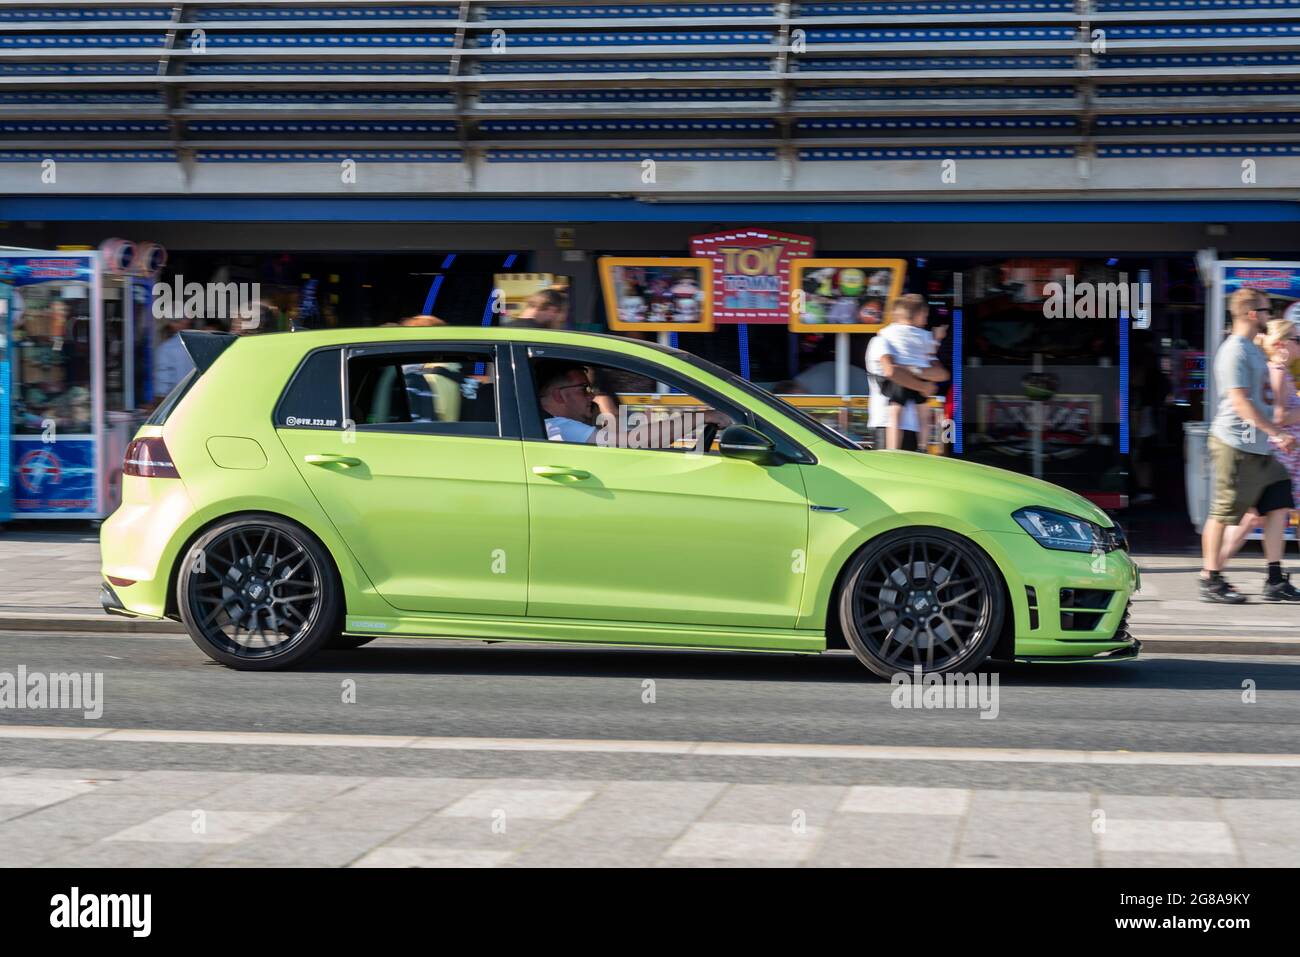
point(844, 295)
point(657, 294)
point(751, 273)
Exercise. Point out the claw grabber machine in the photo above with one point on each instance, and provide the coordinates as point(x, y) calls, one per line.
point(56, 383)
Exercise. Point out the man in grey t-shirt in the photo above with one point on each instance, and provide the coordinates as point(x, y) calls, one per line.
point(1248, 479)
point(1240, 364)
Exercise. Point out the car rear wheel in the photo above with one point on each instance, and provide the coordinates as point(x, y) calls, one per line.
point(258, 593)
point(921, 598)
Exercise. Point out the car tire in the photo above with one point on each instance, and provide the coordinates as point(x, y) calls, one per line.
point(266, 579)
point(921, 597)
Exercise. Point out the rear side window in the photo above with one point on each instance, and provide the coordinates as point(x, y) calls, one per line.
point(314, 397)
point(440, 391)
point(172, 399)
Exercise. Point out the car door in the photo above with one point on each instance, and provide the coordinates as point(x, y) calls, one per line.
point(653, 534)
point(419, 470)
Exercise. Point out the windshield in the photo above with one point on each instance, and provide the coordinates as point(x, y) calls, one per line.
point(773, 402)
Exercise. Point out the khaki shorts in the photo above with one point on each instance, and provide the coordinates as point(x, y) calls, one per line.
point(1243, 480)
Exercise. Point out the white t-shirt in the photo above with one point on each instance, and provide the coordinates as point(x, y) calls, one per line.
point(910, 346)
point(878, 409)
point(561, 429)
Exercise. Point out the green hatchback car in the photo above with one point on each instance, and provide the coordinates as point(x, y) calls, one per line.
point(310, 490)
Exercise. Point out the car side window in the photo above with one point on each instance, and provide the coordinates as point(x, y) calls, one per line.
point(440, 391)
point(313, 398)
point(610, 404)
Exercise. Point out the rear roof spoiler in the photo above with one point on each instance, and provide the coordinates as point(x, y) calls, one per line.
point(206, 347)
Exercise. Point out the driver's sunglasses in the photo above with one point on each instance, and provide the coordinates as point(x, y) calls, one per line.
point(586, 388)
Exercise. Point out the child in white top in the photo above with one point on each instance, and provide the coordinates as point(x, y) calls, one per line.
point(912, 346)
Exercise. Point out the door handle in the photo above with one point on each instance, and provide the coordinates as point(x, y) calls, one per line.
point(561, 473)
point(322, 458)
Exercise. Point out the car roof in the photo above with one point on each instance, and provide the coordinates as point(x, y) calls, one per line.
point(316, 338)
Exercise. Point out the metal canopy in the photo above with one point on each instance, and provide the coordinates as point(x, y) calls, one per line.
point(719, 91)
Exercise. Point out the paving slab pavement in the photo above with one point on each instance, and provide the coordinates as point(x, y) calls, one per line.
point(198, 819)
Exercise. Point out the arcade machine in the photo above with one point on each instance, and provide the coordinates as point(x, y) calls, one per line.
point(6, 484)
point(57, 383)
point(79, 348)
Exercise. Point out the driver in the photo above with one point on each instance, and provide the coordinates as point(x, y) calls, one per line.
point(571, 402)
point(566, 393)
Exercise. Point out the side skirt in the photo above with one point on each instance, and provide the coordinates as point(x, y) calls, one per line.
point(644, 634)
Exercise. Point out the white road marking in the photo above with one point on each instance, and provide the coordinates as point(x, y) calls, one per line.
point(741, 749)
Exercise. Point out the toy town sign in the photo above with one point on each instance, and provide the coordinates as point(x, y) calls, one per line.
point(751, 273)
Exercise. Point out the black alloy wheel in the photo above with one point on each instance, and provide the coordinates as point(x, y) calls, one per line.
point(258, 593)
point(921, 598)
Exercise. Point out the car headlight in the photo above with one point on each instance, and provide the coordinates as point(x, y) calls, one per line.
point(1068, 533)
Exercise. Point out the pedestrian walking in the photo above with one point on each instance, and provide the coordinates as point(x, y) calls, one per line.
point(1247, 475)
point(1281, 343)
point(172, 362)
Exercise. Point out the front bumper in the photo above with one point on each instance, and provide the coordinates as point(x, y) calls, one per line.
point(1126, 652)
point(1068, 606)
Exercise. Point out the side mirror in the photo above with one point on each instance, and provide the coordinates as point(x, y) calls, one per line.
point(742, 442)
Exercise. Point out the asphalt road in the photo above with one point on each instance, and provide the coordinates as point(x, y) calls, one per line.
point(443, 688)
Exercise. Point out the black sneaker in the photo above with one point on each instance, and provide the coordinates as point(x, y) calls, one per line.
point(1281, 591)
point(1218, 590)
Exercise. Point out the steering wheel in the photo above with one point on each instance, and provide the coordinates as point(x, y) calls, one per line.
point(707, 435)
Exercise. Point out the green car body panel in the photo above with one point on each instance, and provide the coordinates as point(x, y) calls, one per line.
point(475, 537)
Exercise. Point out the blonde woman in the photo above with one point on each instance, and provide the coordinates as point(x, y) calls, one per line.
point(1281, 343)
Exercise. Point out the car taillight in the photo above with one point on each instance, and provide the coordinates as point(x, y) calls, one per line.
point(149, 458)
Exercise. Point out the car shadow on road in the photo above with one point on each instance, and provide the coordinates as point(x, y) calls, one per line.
point(1159, 672)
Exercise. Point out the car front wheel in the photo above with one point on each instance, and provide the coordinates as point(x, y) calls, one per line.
point(258, 593)
point(921, 598)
